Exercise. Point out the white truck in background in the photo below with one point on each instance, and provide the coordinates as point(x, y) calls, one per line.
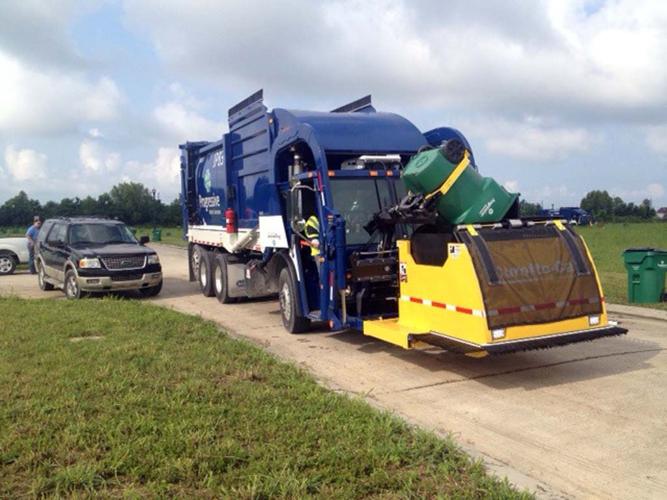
point(13, 251)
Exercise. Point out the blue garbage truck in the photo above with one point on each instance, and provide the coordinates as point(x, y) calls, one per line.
point(311, 207)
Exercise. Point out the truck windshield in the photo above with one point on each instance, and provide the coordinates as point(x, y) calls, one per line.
point(101, 234)
point(358, 200)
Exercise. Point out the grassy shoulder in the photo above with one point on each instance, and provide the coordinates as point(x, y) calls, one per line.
point(169, 235)
point(607, 243)
point(123, 398)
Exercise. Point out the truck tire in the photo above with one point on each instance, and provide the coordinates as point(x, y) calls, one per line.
point(290, 311)
point(195, 258)
point(205, 274)
point(41, 277)
point(7, 264)
point(220, 279)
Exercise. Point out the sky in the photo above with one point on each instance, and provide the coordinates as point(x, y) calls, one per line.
point(556, 97)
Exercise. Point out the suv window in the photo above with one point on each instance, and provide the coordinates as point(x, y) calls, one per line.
point(100, 234)
point(44, 231)
point(58, 233)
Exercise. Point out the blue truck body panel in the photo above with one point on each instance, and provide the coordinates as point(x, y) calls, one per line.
point(240, 172)
point(247, 171)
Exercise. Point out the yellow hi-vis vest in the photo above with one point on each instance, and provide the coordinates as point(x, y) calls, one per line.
point(312, 232)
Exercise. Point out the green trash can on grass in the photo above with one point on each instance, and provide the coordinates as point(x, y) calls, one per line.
point(646, 269)
point(157, 234)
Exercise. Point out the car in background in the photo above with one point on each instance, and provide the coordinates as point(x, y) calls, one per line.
point(84, 254)
point(13, 251)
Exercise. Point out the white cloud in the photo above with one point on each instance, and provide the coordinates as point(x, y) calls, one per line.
point(531, 139)
point(545, 58)
point(162, 173)
point(52, 101)
point(512, 186)
point(655, 190)
point(94, 158)
point(180, 123)
point(656, 138)
point(25, 164)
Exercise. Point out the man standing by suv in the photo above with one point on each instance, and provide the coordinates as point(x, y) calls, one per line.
point(31, 235)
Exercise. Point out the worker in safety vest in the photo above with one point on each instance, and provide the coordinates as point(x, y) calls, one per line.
point(312, 232)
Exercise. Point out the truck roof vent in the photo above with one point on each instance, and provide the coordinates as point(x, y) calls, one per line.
point(256, 97)
point(363, 104)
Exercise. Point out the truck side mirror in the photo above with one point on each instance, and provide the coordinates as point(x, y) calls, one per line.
point(144, 239)
point(293, 211)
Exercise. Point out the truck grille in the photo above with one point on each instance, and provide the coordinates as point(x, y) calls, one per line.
point(127, 277)
point(130, 262)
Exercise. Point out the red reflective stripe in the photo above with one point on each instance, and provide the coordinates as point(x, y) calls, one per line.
point(509, 310)
point(577, 302)
point(546, 305)
point(464, 310)
point(416, 300)
point(439, 304)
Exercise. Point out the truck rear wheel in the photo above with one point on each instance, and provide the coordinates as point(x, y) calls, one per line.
point(205, 275)
point(221, 279)
point(290, 311)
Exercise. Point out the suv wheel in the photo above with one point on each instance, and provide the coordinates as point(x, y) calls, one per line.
point(151, 291)
point(71, 287)
point(290, 311)
point(41, 277)
point(205, 274)
point(7, 264)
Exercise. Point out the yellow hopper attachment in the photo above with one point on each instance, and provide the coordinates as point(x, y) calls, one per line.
point(489, 289)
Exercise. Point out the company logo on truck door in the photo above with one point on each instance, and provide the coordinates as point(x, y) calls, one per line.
point(209, 201)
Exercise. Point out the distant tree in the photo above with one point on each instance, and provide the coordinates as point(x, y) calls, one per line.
point(133, 203)
point(599, 204)
point(19, 210)
point(129, 201)
point(105, 205)
point(527, 209)
point(172, 214)
point(70, 207)
point(88, 206)
point(603, 207)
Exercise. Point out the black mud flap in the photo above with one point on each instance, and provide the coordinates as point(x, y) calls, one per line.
point(503, 347)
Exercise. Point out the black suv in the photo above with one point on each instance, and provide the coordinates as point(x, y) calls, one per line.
point(81, 255)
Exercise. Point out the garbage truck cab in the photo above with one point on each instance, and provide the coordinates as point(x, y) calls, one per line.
point(307, 206)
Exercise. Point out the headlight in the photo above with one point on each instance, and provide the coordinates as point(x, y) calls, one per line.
point(88, 263)
point(153, 259)
point(498, 333)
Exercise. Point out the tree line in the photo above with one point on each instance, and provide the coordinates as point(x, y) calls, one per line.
point(605, 207)
point(130, 202)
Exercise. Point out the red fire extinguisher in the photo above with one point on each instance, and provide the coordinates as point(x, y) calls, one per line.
point(230, 220)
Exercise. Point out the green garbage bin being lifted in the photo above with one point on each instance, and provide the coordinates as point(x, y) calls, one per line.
point(157, 234)
point(466, 196)
point(646, 269)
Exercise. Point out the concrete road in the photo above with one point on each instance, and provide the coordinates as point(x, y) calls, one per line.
point(582, 421)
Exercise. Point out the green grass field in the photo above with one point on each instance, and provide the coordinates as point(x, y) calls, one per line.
point(119, 398)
